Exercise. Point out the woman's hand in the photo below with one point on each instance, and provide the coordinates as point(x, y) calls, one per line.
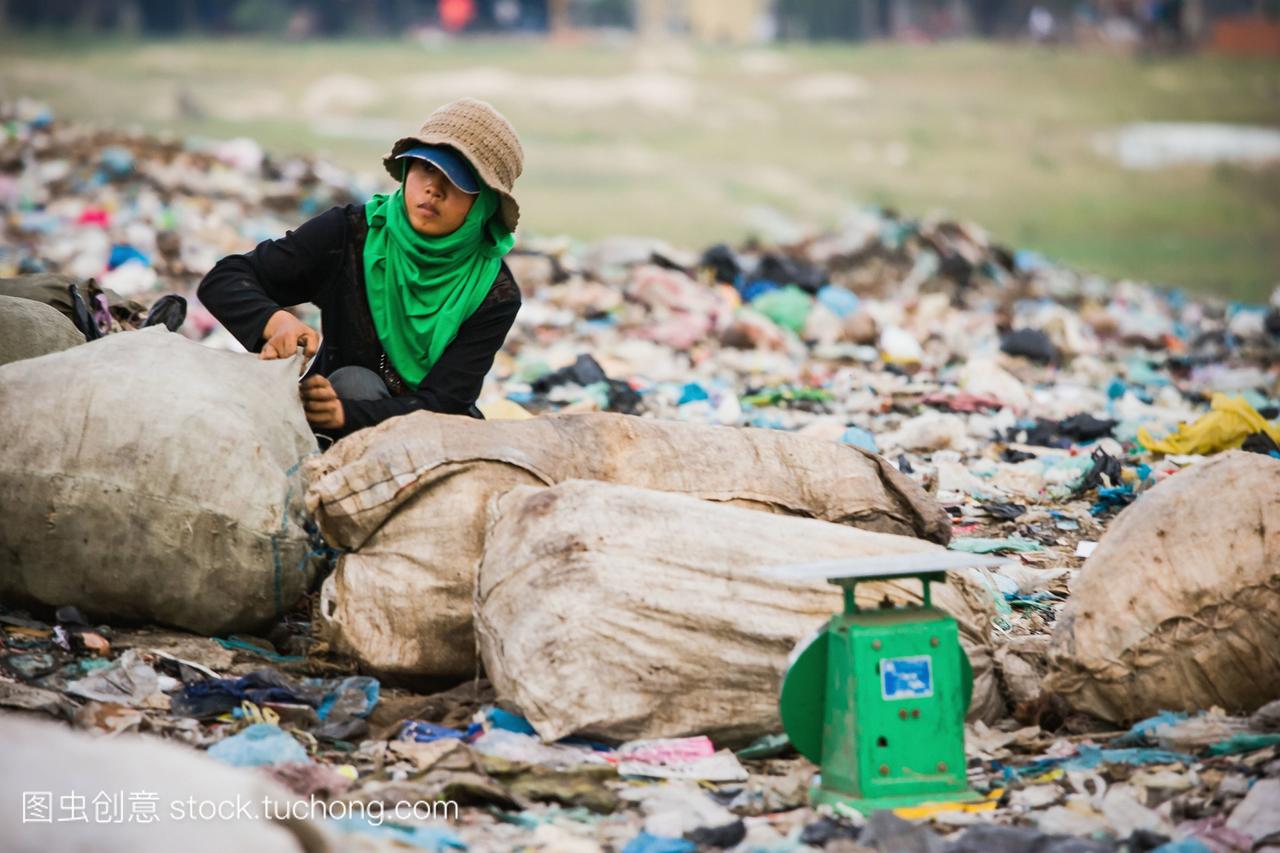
point(321, 403)
point(283, 333)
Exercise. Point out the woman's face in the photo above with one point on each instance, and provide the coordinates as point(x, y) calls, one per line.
point(435, 206)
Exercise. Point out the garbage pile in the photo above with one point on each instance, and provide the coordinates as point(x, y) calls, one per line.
point(909, 385)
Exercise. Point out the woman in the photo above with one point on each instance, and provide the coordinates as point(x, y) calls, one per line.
point(414, 297)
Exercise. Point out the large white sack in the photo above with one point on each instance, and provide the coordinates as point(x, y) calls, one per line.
point(116, 786)
point(1179, 606)
point(407, 500)
point(627, 613)
point(29, 329)
point(147, 477)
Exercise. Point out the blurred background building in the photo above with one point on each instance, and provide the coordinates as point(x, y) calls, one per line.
point(1237, 26)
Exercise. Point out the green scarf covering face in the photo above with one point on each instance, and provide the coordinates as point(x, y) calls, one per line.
point(421, 289)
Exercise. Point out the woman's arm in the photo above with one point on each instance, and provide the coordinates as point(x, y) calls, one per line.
point(244, 291)
point(455, 380)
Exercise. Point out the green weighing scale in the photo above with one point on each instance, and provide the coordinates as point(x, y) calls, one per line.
point(877, 697)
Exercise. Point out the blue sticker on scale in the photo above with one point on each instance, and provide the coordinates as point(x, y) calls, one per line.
point(906, 678)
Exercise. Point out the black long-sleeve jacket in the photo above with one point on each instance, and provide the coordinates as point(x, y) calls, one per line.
point(322, 262)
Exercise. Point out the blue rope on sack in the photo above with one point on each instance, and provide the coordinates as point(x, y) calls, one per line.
point(316, 546)
point(319, 548)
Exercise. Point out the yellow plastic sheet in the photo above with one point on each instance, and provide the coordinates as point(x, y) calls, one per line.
point(925, 810)
point(1230, 421)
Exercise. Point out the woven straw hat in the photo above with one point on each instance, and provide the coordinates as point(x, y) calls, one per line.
point(482, 135)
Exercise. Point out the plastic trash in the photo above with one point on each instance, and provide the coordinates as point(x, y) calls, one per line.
point(169, 311)
point(765, 746)
point(530, 749)
point(989, 838)
point(1230, 421)
point(788, 307)
point(1266, 718)
point(826, 829)
point(1012, 545)
point(646, 843)
point(500, 719)
point(667, 750)
point(418, 836)
point(1145, 732)
point(128, 680)
point(1239, 743)
point(929, 432)
point(677, 809)
point(585, 370)
point(1125, 815)
point(123, 253)
point(351, 697)
point(887, 831)
point(692, 758)
point(1258, 816)
point(838, 300)
point(985, 377)
point(857, 437)
point(116, 161)
point(692, 392)
point(1183, 845)
point(424, 732)
point(260, 744)
point(898, 346)
point(722, 262)
point(1032, 344)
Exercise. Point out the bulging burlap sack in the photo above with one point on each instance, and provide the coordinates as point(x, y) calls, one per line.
point(408, 499)
point(29, 329)
point(147, 477)
point(1179, 606)
point(628, 613)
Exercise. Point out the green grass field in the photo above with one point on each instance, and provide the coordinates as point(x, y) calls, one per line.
point(689, 144)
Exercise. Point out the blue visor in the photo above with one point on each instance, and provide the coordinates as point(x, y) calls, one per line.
point(454, 165)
